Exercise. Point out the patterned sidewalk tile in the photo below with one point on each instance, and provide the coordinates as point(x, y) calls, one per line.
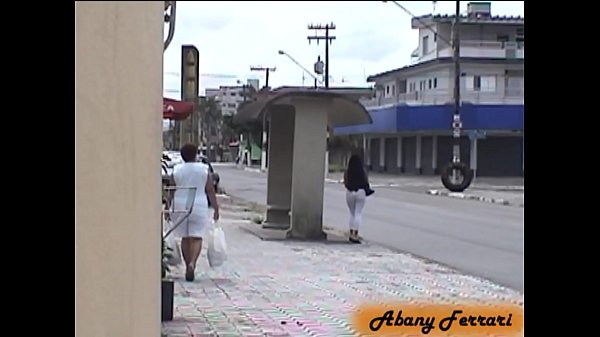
point(299, 289)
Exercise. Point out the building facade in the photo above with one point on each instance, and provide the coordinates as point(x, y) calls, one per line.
point(413, 106)
point(230, 97)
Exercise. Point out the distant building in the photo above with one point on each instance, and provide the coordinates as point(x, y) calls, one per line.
point(230, 97)
point(413, 106)
point(254, 83)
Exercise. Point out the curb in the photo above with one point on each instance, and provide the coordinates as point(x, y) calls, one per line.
point(473, 197)
point(250, 169)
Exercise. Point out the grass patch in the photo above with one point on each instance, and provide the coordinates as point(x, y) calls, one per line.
point(335, 168)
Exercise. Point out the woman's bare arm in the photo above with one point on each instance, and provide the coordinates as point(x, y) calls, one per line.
point(212, 196)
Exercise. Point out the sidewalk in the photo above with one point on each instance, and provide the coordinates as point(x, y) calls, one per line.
point(275, 288)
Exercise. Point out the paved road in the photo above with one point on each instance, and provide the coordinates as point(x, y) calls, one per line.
point(480, 239)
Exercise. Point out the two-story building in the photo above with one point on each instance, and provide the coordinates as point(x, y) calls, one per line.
point(413, 106)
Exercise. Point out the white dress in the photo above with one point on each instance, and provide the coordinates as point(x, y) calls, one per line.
point(191, 175)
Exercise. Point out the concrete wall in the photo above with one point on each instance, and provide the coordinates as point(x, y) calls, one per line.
point(118, 102)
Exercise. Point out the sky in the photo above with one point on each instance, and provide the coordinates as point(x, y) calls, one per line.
point(232, 36)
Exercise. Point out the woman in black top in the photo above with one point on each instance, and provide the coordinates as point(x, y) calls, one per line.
point(357, 190)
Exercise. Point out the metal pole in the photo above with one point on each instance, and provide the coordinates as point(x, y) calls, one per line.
point(457, 125)
point(326, 56)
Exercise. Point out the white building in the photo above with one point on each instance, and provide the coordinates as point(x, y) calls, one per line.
point(230, 97)
point(412, 107)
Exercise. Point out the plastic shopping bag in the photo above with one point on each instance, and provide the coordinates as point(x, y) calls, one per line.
point(174, 251)
point(217, 247)
point(172, 244)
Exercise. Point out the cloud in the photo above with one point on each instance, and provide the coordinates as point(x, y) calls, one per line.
point(232, 35)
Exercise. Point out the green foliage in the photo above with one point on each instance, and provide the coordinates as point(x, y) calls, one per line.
point(167, 253)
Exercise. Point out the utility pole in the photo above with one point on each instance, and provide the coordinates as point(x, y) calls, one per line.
point(450, 178)
point(263, 155)
point(267, 71)
point(457, 124)
point(328, 40)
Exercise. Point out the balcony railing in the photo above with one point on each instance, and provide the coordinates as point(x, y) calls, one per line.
point(479, 48)
point(434, 97)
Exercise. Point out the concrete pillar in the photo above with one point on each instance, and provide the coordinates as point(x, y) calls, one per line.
point(418, 156)
point(310, 144)
point(327, 157)
point(382, 153)
point(399, 153)
point(279, 177)
point(434, 145)
point(326, 163)
point(474, 155)
point(118, 54)
point(263, 147)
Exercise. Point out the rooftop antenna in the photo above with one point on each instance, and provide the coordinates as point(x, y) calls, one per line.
point(434, 3)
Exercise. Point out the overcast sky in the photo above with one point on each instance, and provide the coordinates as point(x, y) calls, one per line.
point(232, 36)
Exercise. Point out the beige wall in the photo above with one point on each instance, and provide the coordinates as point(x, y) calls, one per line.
point(118, 108)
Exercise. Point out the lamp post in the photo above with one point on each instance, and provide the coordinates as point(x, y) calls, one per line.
point(281, 52)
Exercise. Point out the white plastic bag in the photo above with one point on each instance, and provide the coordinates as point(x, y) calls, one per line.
point(172, 244)
point(217, 247)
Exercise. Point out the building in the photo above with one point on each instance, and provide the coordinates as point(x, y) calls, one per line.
point(118, 210)
point(230, 97)
point(413, 106)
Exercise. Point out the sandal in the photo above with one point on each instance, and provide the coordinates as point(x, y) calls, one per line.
point(354, 236)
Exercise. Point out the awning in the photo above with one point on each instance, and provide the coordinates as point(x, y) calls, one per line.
point(346, 110)
point(176, 110)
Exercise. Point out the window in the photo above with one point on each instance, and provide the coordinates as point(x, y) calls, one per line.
point(435, 37)
point(393, 90)
point(435, 82)
point(485, 83)
point(477, 83)
point(503, 38)
point(231, 105)
point(430, 84)
point(232, 93)
point(520, 36)
point(387, 90)
point(425, 45)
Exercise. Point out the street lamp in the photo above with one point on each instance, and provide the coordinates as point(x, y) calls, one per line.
point(281, 52)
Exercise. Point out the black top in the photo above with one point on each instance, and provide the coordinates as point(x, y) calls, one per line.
point(356, 180)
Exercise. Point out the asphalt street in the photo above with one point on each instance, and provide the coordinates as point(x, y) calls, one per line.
point(480, 239)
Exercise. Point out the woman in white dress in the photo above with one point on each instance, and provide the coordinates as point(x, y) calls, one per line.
point(191, 173)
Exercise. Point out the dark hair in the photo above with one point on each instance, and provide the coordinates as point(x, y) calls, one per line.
point(189, 152)
point(355, 166)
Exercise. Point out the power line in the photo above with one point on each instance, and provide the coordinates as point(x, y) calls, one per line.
point(427, 26)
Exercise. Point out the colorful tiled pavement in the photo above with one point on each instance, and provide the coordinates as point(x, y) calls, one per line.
point(269, 288)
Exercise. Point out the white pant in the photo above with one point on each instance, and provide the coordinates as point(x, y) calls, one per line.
point(356, 203)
